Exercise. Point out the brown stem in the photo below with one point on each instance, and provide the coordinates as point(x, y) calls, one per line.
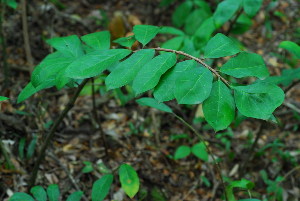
point(234, 21)
point(196, 59)
point(291, 86)
point(99, 126)
point(4, 54)
point(50, 135)
point(217, 164)
point(29, 57)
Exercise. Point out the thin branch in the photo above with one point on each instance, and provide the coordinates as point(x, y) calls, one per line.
point(3, 40)
point(196, 59)
point(50, 135)
point(234, 21)
point(99, 126)
point(218, 167)
point(29, 57)
point(70, 176)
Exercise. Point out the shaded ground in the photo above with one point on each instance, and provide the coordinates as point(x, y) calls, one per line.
point(138, 135)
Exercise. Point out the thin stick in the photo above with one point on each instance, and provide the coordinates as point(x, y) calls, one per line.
point(234, 21)
point(99, 126)
point(50, 135)
point(29, 57)
point(198, 60)
point(4, 54)
point(72, 179)
point(218, 167)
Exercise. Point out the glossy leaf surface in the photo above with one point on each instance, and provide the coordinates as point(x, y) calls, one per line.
point(182, 152)
point(251, 7)
point(145, 33)
point(98, 40)
point(199, 150)
point(53, 192)
point(76, 196)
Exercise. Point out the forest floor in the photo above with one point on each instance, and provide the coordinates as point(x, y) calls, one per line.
point(140, 136)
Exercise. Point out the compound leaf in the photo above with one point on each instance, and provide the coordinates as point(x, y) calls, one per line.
point(246, 64)
point(182, 152)
point(199, 150)
point(101, 187)
point(225, 10)
point(193, 86)
point(219, 108)
point(148, 77)
point(164, 91)
point(21, 196)
point(129, 180)
point(251, 7)
point(127, 70)
point(98, 40)
point(69, 46)
point(76, 196)
point(220, 46)
point(258, 100)
point(94, 63)
point(151, 102)
point(53, 192)
point(145, 33)
point(39, 193)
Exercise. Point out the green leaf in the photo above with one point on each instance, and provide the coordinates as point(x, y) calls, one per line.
point(164, 91)
point(151, 102)
point(94, 63)
point(250, 199)
point(174, 43)
point(242, 24)
point(171, 30)
point(225, 10)
point(31, 147)
point(129, 180)
point(205, 30)
point(69, 46)
point(219, 108)
point(246, 64)
point(76, 196)
point(126, 41)
point(127, 70)
point(21, 147)
point(101, 187)
point(258, 100)
point(181, 13)
point(11, 3)
point(2, 98)
point(291, 47)
point(182, 152)
point(39, 193)
point(145, 33)
point(193, 86)
point(245, 184)
point(88, 167)
point(21, 197)
point(49, 68)
point(148, 77)
point(251, 7)
point(98, 40)
point(194, 20)
point(53, 192)
point(199, 150)
point(29, 90)
point(220, 46)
